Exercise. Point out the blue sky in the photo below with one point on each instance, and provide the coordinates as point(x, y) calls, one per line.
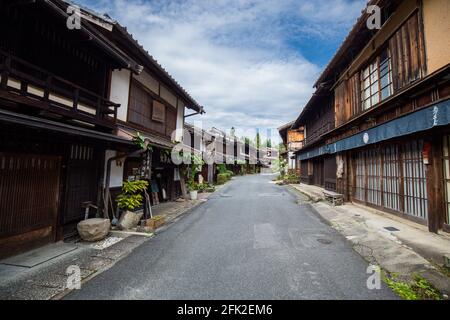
point(251, 63)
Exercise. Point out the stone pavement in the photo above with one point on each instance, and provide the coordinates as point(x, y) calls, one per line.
point(49, 280)
point(406, 250)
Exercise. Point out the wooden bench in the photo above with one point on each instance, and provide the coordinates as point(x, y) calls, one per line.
point(334, 198)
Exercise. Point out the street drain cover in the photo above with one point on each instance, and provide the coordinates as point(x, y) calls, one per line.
point(391, 229)
point(325, 241)
point(225, 196)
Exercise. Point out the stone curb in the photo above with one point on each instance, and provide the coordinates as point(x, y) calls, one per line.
point(374, 247)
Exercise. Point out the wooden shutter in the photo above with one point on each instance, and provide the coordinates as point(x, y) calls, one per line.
point(347, 98)
point(140, 103)
point(159, 111)
point(339, 102)
point(354, 87)
point(408, 54)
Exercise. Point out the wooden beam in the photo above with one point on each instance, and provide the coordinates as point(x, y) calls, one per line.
point(435, 188)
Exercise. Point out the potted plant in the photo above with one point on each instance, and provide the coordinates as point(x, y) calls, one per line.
point(130, 201)
point(193, 188)
point(196, 165)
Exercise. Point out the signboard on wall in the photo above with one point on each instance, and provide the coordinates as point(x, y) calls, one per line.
point(294, 136)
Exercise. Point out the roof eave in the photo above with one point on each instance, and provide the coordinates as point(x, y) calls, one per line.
point(105, 44)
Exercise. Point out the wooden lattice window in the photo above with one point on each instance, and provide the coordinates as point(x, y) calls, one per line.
point(359, 191)
point(379, 176)
point(373, 177)
point(414, 180)
point(391, 177)
point(139, 111)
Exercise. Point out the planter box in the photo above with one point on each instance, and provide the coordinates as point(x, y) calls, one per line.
point(156, 223)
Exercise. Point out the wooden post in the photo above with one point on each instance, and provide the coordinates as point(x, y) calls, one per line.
point(434, 186)
point(183, 184)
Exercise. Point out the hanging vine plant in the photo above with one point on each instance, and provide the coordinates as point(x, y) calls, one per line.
point(143, 143)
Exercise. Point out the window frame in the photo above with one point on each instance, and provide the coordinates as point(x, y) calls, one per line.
point(371, 78)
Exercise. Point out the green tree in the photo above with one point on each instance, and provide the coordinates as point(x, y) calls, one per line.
point(258, 140)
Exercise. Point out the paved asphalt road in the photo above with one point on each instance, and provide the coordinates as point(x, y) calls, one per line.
point(251, 240)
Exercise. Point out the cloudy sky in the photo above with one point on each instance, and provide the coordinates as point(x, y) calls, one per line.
point(251, 63)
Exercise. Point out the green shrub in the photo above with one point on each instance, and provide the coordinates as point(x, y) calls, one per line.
point(222, 168)
point(222, 178)
point(417, 289)
point(193, 186)
point(291, 178)
point(205, 187)
point(131, 196)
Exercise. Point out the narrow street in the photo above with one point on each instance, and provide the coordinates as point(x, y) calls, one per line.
point(251, 240)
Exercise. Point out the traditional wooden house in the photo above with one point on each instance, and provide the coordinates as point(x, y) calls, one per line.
point(387, 134)
point(70, 100)
point(56, 118)
point(154, 104)
point(292, 141)
point(199, 142)
point(316, 119)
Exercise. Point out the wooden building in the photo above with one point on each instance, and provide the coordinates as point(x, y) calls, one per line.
point(198, 141)
point(154, 104)
point(293, 140)
point(377, 128)
point(70, 99)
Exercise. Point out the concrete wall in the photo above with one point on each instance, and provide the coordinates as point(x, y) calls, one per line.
point(116, 179)
point(180, 120)
point(437, 33)
point(120, 91)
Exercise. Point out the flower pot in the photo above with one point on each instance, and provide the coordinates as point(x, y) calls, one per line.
point(193, 194)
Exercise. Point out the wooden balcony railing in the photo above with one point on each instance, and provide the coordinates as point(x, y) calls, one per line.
point(26, 83)
point(312, 137)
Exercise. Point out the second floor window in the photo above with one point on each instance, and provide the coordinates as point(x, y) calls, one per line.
point(376, 81)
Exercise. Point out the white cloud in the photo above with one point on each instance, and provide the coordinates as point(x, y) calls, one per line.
point(230, 55)
point(338, 11)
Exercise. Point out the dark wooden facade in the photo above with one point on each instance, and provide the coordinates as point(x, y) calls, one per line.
point(56, 123)
point(386, 83)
